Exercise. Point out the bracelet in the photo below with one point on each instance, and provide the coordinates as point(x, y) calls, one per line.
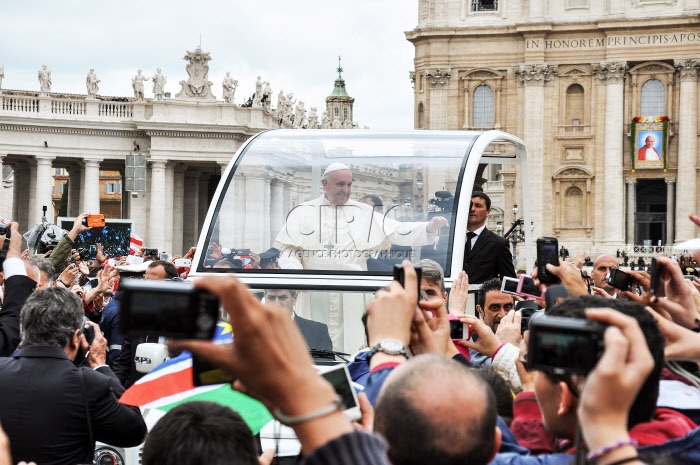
point(627, 460)
point(596, 454)
point(289, 420)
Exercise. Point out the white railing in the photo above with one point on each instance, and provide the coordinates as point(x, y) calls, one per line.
point(19, 104)
point(117, 110)
point(68, 107)
point(493, 186)
point(574, 128)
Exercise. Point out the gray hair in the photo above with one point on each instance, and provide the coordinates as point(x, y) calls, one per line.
point(50, 317)
point(45, 265)
point(432, 272)
point(32, 270)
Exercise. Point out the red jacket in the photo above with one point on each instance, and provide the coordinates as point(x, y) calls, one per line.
point(529, 430)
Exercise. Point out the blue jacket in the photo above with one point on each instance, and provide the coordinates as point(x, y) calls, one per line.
point(109, 325)
point(359, 368)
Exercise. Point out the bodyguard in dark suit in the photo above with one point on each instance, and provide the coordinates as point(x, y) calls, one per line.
point(315, 333)
point(52, 410)
point(486, 255)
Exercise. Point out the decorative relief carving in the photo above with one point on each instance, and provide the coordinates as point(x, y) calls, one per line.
point(535, 75)
point(610, 73)
point(438, 77)
point(687, 69)
point(198, 85)
point(412, 77)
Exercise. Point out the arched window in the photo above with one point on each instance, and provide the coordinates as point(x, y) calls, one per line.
point(483, 106)
point(336, 112)
point(574, 104)
point(653, 100)
point(345, 113)
point(421, 116)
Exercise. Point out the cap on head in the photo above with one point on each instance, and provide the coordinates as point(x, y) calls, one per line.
point(335, 167)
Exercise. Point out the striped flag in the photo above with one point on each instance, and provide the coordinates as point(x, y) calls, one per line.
point(135, 243)
point(170, 384)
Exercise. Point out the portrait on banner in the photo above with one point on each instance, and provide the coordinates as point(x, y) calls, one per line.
point(649, 138)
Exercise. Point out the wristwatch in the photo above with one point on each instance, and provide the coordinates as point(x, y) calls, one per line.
point(388, 346)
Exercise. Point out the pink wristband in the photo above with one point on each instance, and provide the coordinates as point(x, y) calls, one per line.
point(598, 453)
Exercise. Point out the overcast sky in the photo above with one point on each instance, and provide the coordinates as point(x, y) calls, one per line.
point(293, 44)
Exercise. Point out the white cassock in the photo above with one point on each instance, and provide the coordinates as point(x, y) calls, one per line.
point(321, 236)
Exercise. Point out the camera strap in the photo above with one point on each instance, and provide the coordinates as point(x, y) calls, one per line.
point(87, 412)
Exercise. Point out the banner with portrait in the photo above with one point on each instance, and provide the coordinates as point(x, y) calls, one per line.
point(649, 142)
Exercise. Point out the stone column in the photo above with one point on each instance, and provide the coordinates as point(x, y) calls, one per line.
point(5, 203)
point(74, 186)
point(169, 213)
point(254, 211)
point(533, 78)
point(687, 148)
point(631, 207)
point(156, 216)
point(613, 75)
point(20, 210)
point(44, 189)
point(179, 210)
point(466, 124)
point(91, 187)
point(230, 218)
point(190, 230)
point(31, 220)
point(670, 210)
point(203, 202)
point(438, 80)
point(276, 208)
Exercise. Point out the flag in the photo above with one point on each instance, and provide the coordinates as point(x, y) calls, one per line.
point(135, 242)
point(170, 384)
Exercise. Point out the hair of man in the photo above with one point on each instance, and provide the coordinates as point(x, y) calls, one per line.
point(501, 390)
point(493, 284)
point(45, 266)
point(644, 405)
point(432, 272)
point(434, 410)
point(50, 317)
point(170, 270)
point(200, 433)
point(483, 197)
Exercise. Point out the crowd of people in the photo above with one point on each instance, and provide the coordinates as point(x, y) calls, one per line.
point(427, 397)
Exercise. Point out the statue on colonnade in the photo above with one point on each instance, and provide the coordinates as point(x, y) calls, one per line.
point(91, 82)
point(313, 118)
point(45, 80)
point(159, 85)
point(229, 85)
point(137, 84)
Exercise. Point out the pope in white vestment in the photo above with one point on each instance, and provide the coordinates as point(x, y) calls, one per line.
point(333, 232)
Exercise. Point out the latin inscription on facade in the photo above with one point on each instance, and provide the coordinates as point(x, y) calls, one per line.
point(642, 40)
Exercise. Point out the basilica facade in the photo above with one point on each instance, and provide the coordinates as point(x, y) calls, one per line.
point(604, 94)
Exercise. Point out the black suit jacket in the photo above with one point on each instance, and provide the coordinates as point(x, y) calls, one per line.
point(18, 288)
point(315, 333)
point(489, 258)
point(42, 408)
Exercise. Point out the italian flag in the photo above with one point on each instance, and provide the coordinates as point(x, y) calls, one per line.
point(170, 384)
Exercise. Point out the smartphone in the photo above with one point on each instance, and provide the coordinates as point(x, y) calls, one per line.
point(655, 285)
point(527, 288)
point(620, 280)
point(528, 310)
point(510, 285)
point(183, 263)
point(564, 345)
point(167, 308)
point(547, 252)
point(399, 276)
point(205, 373)
point(339, 377)
point(94, 221)
point(148, 252)
point(458, 330)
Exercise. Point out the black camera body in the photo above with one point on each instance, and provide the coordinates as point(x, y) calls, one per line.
point(620, 280)
point(399, 276)
point(148, 252)
point(89, 333)
point(84, 254)
point(167, 308)
point(562, 345)
point(529, 310)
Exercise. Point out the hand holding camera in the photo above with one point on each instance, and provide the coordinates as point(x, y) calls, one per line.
point(94, 345)
point(434, 335)
point(487, 343)
point(611, 387)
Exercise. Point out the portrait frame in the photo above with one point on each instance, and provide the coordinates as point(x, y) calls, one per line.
point(649, 142)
